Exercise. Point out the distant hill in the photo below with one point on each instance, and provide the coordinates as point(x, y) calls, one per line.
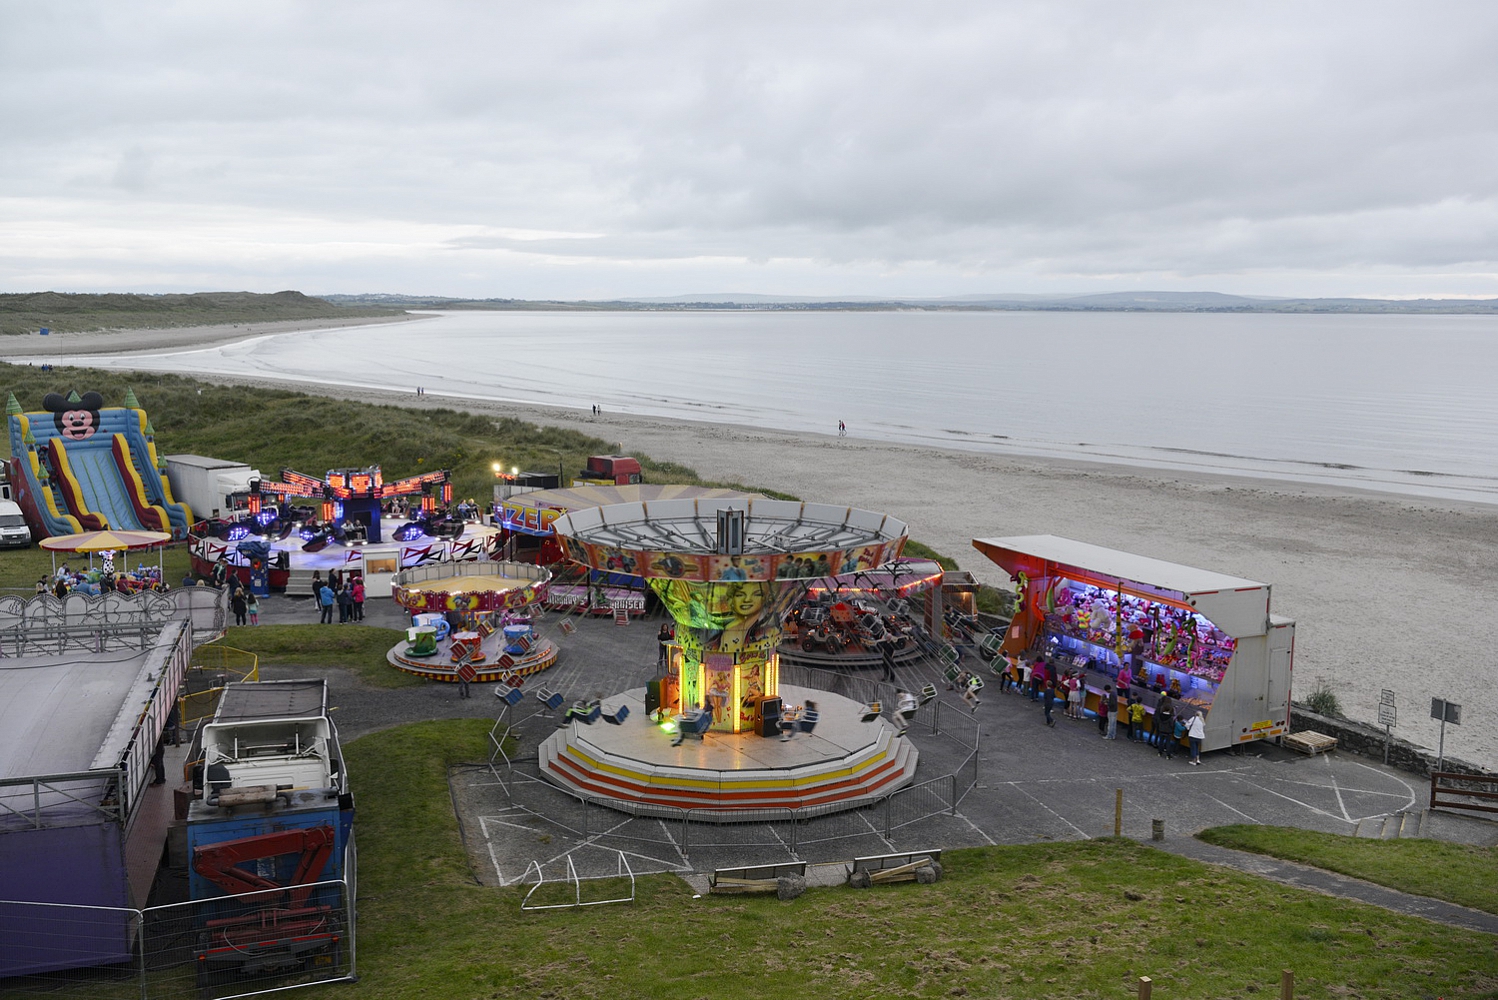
point(1144, 301)
point(27, 312)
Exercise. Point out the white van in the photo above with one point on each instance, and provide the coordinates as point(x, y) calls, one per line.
point(13, 531)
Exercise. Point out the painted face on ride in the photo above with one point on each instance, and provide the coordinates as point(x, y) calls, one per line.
point(76, 420)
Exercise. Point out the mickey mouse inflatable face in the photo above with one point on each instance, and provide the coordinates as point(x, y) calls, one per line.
point(75, 421)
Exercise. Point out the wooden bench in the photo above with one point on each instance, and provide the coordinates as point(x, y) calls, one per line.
point(787, 880)
point(879, 869)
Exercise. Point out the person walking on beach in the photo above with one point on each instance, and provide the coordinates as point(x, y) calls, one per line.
point(842, 429)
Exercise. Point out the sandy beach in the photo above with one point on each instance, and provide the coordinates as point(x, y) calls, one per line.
point(1388, 591)
point(175, 338)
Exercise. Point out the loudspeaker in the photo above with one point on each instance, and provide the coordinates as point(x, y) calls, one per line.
point(767, 716)
point(653, 695)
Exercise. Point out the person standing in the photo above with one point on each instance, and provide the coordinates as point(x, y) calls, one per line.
point(316, 584)
point(359, 594)
point(1110, 704)
point(1196, 731)
point(253, 606)
point(1048, 700)
point(1136, 720)
point(662, 641)
point(325, 601)
point(345, 605)
point(1165, 726)
point(238, 605)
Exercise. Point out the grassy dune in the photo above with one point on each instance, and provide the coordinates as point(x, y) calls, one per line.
point(29, 311)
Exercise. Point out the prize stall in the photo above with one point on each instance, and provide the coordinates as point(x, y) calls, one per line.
point(1150, 627)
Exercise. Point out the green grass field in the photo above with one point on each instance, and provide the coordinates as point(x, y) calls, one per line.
point(1456, 873)
point(360, 650)
point(1080, 919)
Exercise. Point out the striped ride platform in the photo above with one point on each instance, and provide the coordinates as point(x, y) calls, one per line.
point(842, 764)
point(496, 665)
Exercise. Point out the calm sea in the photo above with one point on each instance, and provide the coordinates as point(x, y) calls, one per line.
point(1401, 403)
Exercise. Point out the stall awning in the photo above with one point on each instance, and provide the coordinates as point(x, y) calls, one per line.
point(106, 541)
point(1236, 605)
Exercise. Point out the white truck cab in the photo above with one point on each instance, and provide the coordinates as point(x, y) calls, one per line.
point(13, 530)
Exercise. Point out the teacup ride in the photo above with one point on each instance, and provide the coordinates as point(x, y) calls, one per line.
point(486, 600)
point(706, 735)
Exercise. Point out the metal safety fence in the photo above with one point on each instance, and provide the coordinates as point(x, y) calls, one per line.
point(212, 667)
point(208, 949)
point(607, 821)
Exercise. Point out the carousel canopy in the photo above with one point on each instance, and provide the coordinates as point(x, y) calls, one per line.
point(106, 541)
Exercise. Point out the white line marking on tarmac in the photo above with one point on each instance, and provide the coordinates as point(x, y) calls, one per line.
point(489, 843)
point(1413, 795)
point(1048, 809)
point(1303, 805)
point(674, 845)
point(1240, 812)
point(981, 832)
point(1337, 789)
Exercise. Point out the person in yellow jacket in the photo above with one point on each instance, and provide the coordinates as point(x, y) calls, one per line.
point(1136, 720)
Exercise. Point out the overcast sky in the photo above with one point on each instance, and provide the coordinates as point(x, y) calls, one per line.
point(557, 150)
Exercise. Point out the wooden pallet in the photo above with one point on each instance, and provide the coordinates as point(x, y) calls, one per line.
point(1309, 743)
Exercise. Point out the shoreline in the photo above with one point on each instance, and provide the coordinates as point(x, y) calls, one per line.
point(1389, 590)
point(177, 338)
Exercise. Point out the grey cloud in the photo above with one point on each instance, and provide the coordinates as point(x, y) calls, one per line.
point(960, 147)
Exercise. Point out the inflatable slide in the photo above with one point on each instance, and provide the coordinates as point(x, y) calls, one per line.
point(77, 466)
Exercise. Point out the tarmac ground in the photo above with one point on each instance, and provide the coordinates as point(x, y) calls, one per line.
point(1033, 782)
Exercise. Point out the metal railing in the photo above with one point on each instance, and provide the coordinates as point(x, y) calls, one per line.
point(576, 883)
point(46, 626)
point(1454, 790)
point(211, 668)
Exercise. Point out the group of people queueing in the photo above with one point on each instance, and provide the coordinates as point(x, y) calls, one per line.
point(1163, 728)
point(344, 591)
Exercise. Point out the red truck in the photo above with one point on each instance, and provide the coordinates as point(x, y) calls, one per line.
point(611, 470)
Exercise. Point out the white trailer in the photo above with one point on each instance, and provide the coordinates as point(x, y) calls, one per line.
point(206, 484)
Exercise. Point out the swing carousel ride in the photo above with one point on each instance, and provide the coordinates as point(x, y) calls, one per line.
point(718, 733)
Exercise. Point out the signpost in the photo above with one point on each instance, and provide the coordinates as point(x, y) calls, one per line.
point(1446, 711)
point(1388, 717)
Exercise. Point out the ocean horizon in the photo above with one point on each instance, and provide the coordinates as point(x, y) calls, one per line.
point(1397, 403)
